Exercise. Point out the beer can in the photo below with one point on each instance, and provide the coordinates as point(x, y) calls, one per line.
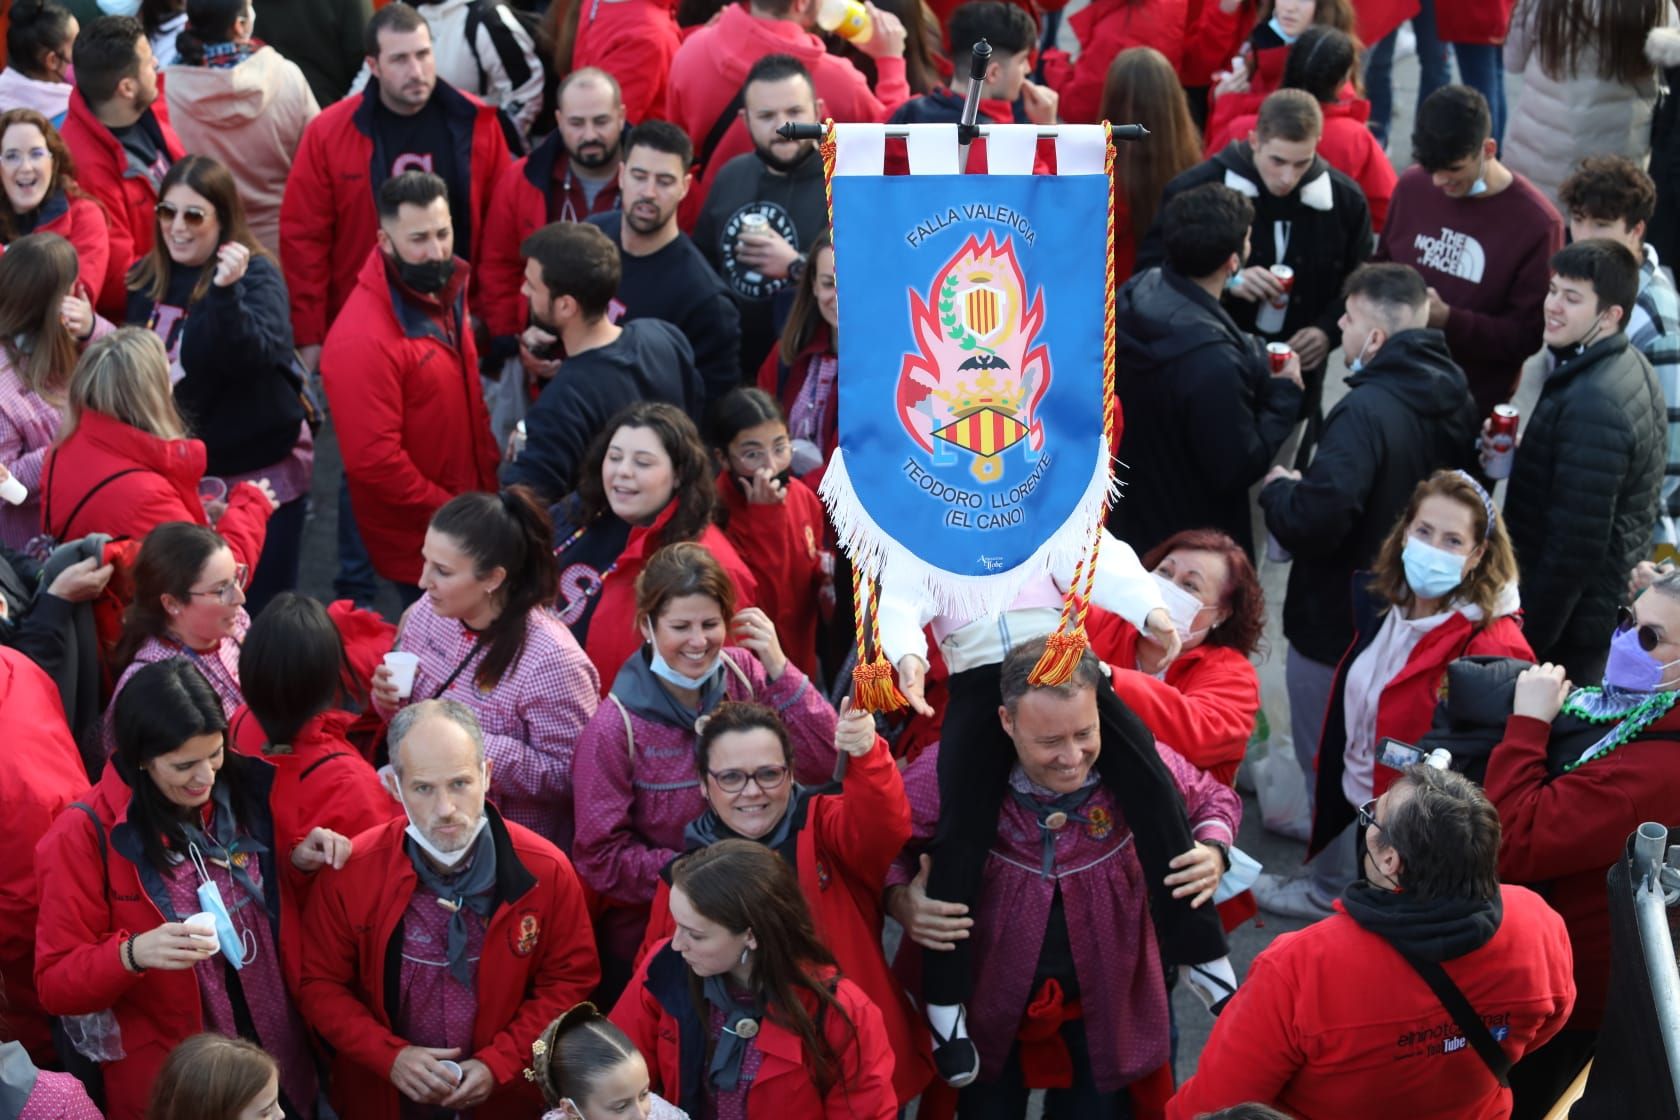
point(1277, 353)
point(754, 224)
point(1501, 444)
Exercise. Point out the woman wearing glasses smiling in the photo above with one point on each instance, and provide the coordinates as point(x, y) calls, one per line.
point(189, 601)
point(839, 838)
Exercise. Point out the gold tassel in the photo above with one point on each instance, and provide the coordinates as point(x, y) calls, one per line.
point(1062, 651)
point(874, 681)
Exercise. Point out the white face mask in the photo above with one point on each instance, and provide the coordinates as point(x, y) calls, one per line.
point(443, 859)
point(1182, 606)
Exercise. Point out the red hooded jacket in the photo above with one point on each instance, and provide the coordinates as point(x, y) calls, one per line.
point(151, 481)
point(81, 221)
point(102, 170)
point(1106, 28)
point(42, 775)
point(1347, 145)
point(1205, 708)
point(327, 217)
point(612, 634)
point(86, 915)
point(782, 545)
point(845, 848)
point(1566, 831)
point(1308, 1034)
point(538, 960)
point(658, 1014)
point(401, 374)
point(1212, 38)
point(634, 41)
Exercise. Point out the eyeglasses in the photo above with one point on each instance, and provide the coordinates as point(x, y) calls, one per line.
point(1368, 816)
point(192, 215)
point(1649, 636)
point(16, 157)
point(767, 778)
point(229, 593)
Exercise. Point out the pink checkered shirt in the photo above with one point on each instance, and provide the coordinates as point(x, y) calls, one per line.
point(531, 719)
point(28, 426)
point(220, 667)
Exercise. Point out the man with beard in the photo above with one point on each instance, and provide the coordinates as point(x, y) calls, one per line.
point(401, 373)
point(779, 181)
point(664, 275)
point(118, 131)
point(571, 174)
point(571, 275)
point(443, 947)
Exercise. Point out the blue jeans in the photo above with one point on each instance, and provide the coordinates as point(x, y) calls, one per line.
point(1435, 69)
point(1482, 68)
point(355, 580)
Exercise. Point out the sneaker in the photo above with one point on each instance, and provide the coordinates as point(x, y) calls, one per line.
point(1290, 898)
point(1214, 991)
point(956, 1059)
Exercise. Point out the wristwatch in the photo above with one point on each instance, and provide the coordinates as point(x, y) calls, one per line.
point(796, 269)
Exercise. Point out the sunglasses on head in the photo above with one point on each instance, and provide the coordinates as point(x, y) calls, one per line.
point(192, 215)
point(1649, 637)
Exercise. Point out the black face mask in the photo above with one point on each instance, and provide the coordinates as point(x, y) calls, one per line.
point(426, 277)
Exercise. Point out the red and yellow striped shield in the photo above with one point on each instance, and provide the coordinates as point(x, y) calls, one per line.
point(983, 311)
point(985, 432)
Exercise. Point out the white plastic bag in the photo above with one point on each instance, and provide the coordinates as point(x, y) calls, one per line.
point(96, 1037)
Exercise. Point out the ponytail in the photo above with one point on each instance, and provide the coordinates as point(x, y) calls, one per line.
point(511, 531)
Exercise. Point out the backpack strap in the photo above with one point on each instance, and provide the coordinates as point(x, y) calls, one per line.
point(1475, 1031)
point(46, 511)
point(104, 847)
point(720, 127)
point(740, 673)
point(320, 762)
point(629, 732)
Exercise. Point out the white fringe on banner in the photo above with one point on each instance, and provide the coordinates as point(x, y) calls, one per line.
point(872, 550)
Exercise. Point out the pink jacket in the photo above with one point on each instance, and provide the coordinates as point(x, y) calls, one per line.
point(28, 427)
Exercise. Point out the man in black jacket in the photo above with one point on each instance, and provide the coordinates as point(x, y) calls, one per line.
point(1307, 215)
point(1408, 413)
point(1202, 413)
point(571, 273)
point(1586, 484)
point(664, 275)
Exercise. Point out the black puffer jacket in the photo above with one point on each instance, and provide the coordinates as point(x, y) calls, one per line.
point(1202, 416)
point(1406, 415)
point(1584, 494)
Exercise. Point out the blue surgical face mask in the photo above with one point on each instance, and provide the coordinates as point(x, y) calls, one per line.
point(1359, 363)
point(239, 949)
point(1431, 572)
point(1629, 667)
point(1277, 29)
point(667, 673)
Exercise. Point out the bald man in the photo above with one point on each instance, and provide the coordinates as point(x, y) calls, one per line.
point(447, 943)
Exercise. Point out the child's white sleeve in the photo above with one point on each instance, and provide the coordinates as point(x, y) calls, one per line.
point(904, 613)
point(1122, 585)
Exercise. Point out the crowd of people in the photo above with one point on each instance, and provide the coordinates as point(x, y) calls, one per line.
point(593, 827)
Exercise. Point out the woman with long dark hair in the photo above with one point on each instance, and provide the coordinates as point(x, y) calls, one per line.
point(745, 979)
point(1588, 84)
point(216, 298)
point(39, 349)
point(38, 194)
point(486, 635)
point(161, 902)
point(645, 484)
point(803, 372)
point(1142, 88)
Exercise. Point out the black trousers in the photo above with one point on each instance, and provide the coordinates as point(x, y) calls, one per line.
point(1541, 1077)
point(975, 757)
point(1006, 1098)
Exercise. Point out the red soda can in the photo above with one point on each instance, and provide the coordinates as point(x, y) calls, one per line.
point(1285, 276)
point(1501, 444)
point(1278, 354)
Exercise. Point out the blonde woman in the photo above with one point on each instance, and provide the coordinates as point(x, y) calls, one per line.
point(124, 463)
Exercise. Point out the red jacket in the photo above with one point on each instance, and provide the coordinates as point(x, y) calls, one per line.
point(86, 916)
point(657, 1012)
point(612, 628)
point(518, 208)
point(1406, 707)
point(845, 848)
point(401, 374)
point(1481, 24)
point(1307, 1034)
point(1374, 20)
point(538, 960)
point(1106, 28)
point(1566, 831)
point(785, 382)
point(634, 41)
point(80, 221)
point(1347, 145)
point(129, 201)
point(161, 484)
point(327, 217)
point(1205, 708)
point(43, 774)
point(1213, 38)
point(782, 545)
point(712, 63)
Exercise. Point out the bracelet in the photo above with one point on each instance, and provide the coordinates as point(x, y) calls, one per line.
point(128, 952)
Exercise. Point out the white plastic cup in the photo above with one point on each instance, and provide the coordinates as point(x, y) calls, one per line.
point(13, 491)
point(204, 920)
point(403, 666)
point(452, 1068)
